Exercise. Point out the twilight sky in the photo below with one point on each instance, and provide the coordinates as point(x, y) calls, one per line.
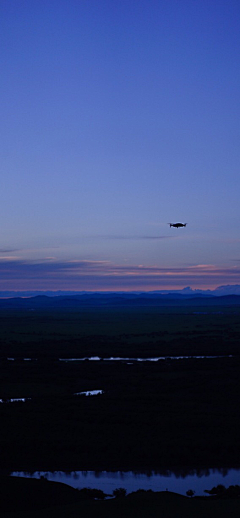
point(117, 117)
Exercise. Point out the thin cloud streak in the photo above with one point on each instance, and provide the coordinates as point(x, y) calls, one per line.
point(8, 250)
point(127, 238)
point(26, 249)
point(100, 275)
point(138, 237)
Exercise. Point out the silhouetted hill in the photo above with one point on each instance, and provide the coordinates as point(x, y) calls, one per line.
point(230, 289)
point(43, 499)
point(133, 300)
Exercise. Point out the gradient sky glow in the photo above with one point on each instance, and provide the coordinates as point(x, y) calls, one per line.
point(117, 117)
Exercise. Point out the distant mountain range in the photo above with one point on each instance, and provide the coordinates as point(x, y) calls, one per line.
point(230, 289)
point(185, 297)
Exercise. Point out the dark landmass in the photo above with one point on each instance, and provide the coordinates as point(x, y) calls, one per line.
point(39, 498)
point(116, 299)
point(171, 414)
point(152, 415)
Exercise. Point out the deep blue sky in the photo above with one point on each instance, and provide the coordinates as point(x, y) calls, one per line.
point(118, 117)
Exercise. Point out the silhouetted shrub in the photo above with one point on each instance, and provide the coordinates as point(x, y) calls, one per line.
point(119, 492)
point(222, 492)
point(190, 492)
point(218, 490)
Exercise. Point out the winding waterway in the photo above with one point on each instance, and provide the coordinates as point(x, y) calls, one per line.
point(127, 359)
point(154, 359)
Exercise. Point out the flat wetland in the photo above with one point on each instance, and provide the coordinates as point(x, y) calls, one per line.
point(150, 416)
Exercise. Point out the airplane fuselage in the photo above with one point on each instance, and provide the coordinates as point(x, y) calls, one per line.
point(177, 225)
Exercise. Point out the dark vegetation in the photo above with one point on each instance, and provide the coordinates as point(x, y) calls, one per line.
point(221, 491)
point(42, 499)
point(150, 416)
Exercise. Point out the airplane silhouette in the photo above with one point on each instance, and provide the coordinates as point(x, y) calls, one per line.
point(177, 225)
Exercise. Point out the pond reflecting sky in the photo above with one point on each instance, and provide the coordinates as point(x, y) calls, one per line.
point(178, 481)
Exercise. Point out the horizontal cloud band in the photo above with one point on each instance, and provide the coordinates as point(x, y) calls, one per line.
point(94, 275)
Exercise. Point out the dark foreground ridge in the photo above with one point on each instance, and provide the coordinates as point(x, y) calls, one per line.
point(40, 498)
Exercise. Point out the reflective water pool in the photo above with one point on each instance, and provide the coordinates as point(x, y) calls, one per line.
point(89, 393)
point(178, 481)
point(154, 359)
